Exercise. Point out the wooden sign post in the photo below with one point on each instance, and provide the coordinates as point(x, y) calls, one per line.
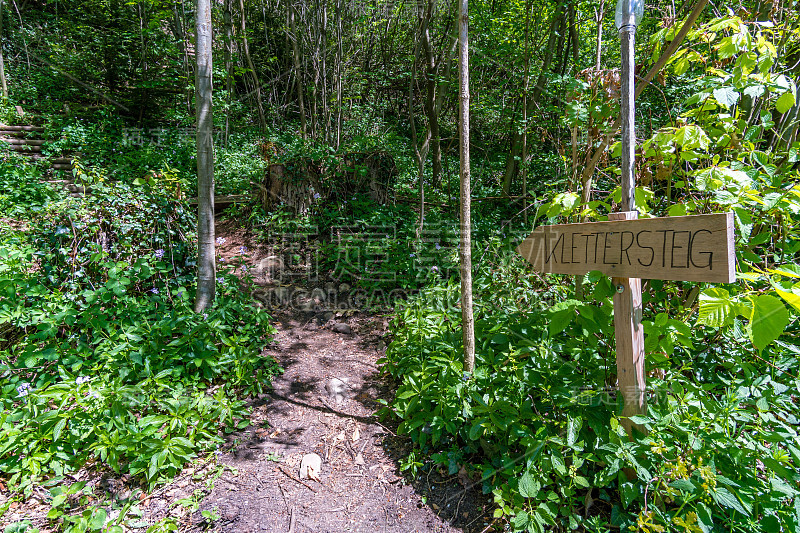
point(690, 248)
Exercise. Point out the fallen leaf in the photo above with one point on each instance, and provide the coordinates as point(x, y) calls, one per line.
point(356, 434)
point(435, 507)
point(359, 460)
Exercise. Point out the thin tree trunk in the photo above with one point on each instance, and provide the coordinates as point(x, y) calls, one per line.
point(420, 151)
point(262, 121)
point(228, 66)
point(326, 113)
point(598, 52)
point(206, 263)
point(339, 59)
point(512, 160)
point(316, 64)
point(430, 100)
point(574, 36)
point(588, 170)
point(2, 61)
point(298, 72)
point(465, 251)
point(525, 117)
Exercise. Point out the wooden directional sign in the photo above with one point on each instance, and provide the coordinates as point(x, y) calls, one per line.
point(690, 248)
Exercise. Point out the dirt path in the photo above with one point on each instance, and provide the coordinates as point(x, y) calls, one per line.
point(360, 485)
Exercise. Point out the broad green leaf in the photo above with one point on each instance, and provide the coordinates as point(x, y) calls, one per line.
point(790, 270)
point(726, 96)
point(98, 519)
point(716, 308)
point(725, 498)
point(790, 293)
point(573, 429)
point(770, 317)
point(528, 487)
point(785, 102)
point(521, 521)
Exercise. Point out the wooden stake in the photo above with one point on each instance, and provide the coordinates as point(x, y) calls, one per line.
point(630, 340)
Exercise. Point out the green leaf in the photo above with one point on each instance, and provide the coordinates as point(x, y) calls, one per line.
point(785, 102)
point(98, 519)
point(726, 96)
point(724, 497)
point(573, 429)
point(716, 308)
point(528, 487)
point(59, 427)
point(559, 321)
point(770, 317)
point(683, 485)
point(521, 521)
point(790, 293)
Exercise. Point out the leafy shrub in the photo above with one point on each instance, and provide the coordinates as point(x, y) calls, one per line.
point(21, 186)
point(537, 425)
point(102, 359)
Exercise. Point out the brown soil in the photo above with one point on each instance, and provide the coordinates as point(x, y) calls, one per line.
point(360, 487)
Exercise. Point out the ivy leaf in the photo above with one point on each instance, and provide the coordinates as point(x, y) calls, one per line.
point(785, 102)
point(716, 308)
point(768, 321)
point(726, 96)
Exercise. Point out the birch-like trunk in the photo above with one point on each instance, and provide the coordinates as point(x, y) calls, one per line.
point(465, 250)
point(206, 261)
point(262, 121)
point(298, 72)
point(2, 62)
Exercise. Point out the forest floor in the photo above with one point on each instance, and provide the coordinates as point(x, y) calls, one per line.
point(253, 484)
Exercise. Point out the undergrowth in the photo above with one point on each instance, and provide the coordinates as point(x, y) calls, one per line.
point(104, 364)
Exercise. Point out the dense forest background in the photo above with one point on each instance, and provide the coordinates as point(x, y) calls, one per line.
point(336, 127)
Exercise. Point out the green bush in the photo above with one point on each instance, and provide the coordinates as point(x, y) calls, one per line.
point(21, 186)
point(537, 423)
point(102, 359)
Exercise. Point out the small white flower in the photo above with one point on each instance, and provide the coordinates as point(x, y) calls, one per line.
point(158, 254)
point(221, 240)
point(82, 379)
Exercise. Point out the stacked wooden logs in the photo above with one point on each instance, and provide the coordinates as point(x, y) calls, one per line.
point(22, 140)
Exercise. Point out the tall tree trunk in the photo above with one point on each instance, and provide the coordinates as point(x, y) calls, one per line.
point(574, 36)
point(326, 112)
point(339, 59)
point(420, 151)
point(298, 71)
point(512, 160)
point(599, 48)
point(588, 170)
point(262, 121)
point(465, 251)
point(228, 21)
point(206, 263)
point(2, 62)
point(316, 64)
point(431, 69)
point(525, 116)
